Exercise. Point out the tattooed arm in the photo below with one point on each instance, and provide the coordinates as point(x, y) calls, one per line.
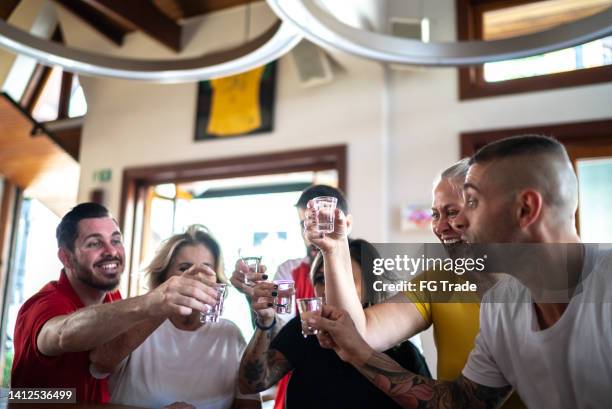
point(407, 389)
point(414, 391)
point(262, 367)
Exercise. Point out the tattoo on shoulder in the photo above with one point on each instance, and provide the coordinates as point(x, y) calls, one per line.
point(265, 371)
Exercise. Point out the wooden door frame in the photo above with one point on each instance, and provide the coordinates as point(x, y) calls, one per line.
point(588, 133)
point(137, 180)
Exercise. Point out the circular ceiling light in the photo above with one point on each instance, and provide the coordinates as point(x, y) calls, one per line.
point(272, 44)
point(323, 29)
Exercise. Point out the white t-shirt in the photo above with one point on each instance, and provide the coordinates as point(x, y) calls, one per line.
point(568, 365)
point(172, 365)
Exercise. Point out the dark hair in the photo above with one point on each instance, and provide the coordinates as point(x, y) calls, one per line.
point(517, 146)
point(364, 253)
point(323, 190)
point(68, 229)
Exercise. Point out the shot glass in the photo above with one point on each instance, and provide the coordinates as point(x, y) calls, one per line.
point(325, 208)
point(252, 262)
point(213, 313)
point(284, 302)
point(309, 307)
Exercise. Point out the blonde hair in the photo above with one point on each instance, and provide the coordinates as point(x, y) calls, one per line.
point(196, 234)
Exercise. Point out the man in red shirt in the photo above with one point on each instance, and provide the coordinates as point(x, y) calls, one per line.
point(69, 323)
point(297, 270)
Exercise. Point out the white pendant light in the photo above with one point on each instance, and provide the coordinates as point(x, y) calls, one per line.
point(320, 27)
point(269, 46)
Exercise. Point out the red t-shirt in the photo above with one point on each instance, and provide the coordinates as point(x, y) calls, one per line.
point(32, 369)
point(303, 289)
point(303, 282)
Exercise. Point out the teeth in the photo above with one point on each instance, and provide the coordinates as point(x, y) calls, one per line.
point(109, 267)
point(451, 241)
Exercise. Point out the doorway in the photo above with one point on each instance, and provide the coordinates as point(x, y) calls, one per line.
point(244, 202)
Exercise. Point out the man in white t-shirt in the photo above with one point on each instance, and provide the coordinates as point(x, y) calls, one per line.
point(556, 353)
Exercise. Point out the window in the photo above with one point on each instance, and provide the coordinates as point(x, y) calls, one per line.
point(34, 264)
point(595, 199)
point(61, 97)
point(256, 213)
point(497, 19)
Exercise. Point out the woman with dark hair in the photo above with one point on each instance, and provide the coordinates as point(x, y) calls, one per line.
point(185, 360)
point(320, 378)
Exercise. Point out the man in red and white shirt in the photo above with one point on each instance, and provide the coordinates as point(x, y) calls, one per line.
point(297, 269)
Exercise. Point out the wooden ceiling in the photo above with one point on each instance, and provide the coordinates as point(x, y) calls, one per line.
point(180, 9)
point(159, 19)
point(36, 164)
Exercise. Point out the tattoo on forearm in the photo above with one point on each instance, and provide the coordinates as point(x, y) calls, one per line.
point(414, 391)
point(262, 367)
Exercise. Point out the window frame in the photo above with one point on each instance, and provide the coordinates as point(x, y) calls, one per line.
point(471, 79)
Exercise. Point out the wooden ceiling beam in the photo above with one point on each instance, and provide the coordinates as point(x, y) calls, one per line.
point(144, 15)
point(7, 7)
point(35, 87)
point(97, 20)
point(178, 9)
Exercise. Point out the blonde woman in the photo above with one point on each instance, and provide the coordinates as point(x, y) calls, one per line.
point(184, 363)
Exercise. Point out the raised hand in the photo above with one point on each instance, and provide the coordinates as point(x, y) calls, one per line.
point(326, 242)
point(262, 304)
point(241, 271)
point(337, 331)
point(182, 294)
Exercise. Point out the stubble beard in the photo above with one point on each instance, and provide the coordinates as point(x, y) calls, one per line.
point(86, 275)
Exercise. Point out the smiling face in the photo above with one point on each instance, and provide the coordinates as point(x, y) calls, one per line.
point(447, 204)
point(98, 257)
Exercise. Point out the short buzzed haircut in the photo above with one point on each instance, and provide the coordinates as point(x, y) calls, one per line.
point(68, 229)
point(518, 146)
point(535, 161)
point(323, 190)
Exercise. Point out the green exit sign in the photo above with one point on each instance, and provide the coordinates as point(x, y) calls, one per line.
point(103, 175)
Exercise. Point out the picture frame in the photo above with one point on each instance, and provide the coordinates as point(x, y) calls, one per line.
point(239, 105)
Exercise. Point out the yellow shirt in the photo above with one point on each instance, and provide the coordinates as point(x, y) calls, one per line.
point(235, 104)
point(455, 326)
